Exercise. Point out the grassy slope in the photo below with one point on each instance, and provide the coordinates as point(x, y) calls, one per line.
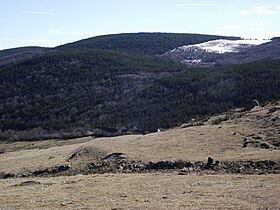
point(149, 190)
point(192, 143)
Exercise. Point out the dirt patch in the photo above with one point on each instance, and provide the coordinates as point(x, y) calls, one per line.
point(86, 152)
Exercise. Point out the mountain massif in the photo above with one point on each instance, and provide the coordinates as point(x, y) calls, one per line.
point(121, 82)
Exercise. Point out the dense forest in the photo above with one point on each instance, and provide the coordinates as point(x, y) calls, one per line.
point(88, 89)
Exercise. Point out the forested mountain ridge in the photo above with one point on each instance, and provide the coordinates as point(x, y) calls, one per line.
point(11, 56)
point(88, 89)
point(76, 88)
point(144, 43)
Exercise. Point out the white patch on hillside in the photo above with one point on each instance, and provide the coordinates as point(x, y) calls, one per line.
point(221, 46)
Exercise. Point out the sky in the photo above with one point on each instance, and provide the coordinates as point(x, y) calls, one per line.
point(51, 23)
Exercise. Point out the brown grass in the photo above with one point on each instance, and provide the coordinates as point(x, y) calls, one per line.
point(155, 190)
point(143, 191)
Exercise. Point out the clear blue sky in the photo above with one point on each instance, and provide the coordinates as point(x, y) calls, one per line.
point(54, 22)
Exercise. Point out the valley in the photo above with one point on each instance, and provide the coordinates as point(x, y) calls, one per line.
point(68, 91)
point(124, 122)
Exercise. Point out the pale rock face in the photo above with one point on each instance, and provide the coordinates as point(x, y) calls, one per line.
point(207, 53)
point(222, 46)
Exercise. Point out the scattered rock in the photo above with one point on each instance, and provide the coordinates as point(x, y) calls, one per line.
point(209, 163)
point(4, 175)
point(72, 156)
point(193, 123)
point(244, 167)
point(28, 183)
point(124, 196)
point(47, 171)
point(257, 137)
point(264, 146)
point(113, 155)
point(60, 169)
point(255, 142)
point(274, 141)
point(40, 172)
point(182, 173)
point(245, 144)
point(248, 141)
point(274, 109)
point(163, 165)
point(116, 165)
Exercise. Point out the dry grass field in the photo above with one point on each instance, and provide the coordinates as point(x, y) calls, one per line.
point(221, 137)
point(142, 191)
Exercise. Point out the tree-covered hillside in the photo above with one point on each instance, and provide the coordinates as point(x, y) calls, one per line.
point(75, 88)
point(12, 51)
point(91, 89)
point(145, 43)
point(14, 55)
